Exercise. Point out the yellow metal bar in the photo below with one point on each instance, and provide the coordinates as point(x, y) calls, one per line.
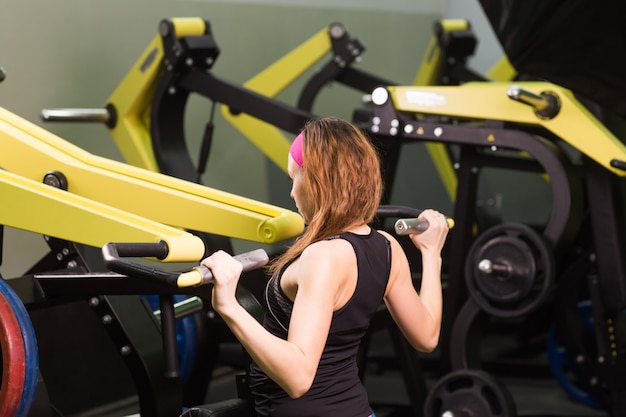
point(489, 100)
point(132, 102)
point(454, 25)
point(275, 78)
point(270, 82)
point(132, 99)
point(31, 152)
point(39, 208)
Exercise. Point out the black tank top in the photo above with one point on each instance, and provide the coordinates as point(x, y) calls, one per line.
point(336, 389)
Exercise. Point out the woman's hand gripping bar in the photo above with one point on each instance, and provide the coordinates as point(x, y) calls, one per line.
point(415, 225)
point(201, 275)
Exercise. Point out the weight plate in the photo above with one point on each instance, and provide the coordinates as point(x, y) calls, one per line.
point(568, 373)
point(31, 351)
point(13, 360)
point(509, 270)
point(471, 393)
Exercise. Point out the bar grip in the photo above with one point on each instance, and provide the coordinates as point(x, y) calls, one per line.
point(76, 115)
point(415, 225)
point(201, 275)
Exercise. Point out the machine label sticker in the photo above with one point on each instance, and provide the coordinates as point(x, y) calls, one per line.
point(423, 99)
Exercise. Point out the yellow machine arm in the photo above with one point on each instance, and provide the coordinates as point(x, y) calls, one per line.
point(40, 208)
point(131, 101)
point(33, 153)
point(527, 103)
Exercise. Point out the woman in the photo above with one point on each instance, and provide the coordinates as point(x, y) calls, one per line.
point(326, 287)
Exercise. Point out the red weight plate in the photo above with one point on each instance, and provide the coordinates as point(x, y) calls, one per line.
point(13, 360)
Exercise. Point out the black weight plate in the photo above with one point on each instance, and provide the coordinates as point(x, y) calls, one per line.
point(522, 273)
point(471, 393)
point(518, 281)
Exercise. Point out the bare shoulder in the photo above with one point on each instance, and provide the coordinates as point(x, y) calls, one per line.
point(327, 250)
point(326, 265)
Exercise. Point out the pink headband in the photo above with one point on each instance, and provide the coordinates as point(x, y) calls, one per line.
point(296, 150)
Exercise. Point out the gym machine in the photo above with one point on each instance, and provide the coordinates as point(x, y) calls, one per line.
point(512, 270)
point(74, 198)
point(145, 113)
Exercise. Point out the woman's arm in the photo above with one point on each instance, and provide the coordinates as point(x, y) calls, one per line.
point(291, 363)
point(418, 312)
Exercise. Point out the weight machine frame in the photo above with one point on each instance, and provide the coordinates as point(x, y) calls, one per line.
point(487, 120)
point(185, 56)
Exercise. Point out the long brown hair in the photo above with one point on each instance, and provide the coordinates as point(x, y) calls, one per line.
point(342, 178)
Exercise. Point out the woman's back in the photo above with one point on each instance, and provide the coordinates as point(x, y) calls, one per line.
point(336, 389)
